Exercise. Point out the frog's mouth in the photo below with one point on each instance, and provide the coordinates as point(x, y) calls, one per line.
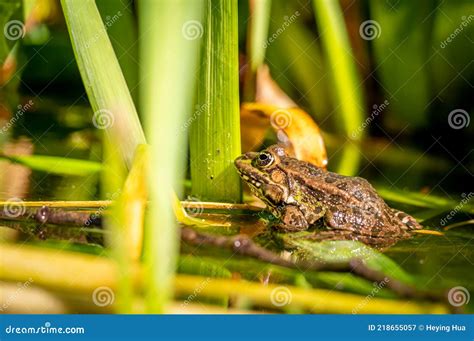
point(248, 172)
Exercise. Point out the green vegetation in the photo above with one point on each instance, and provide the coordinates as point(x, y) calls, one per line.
point(214, 125)
point(135, 122)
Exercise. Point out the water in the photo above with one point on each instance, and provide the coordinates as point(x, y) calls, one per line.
point(438, 262)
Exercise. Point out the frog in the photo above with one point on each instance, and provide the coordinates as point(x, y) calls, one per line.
point(301, 195)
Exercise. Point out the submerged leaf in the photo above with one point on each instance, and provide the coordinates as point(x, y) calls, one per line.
point(198, 266)
point(255, 270)
point(203, 267)
point(336, 251)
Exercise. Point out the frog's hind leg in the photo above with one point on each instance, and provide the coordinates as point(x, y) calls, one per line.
point(353, 224)
point(406, 220)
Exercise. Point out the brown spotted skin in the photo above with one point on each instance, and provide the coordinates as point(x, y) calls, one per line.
point(300, 194)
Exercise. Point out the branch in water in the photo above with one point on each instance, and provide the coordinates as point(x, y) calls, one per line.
point(241, 245)
point(46, 215)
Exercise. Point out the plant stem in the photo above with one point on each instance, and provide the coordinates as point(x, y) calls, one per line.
point(215, 125)
point(124, 221)
point(169, 58)
point(81, 273)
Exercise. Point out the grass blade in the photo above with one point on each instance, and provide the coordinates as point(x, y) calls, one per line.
point(336, 45)
point(55, 164)
point(256, 43)
point(340, 61)
point(105, 85)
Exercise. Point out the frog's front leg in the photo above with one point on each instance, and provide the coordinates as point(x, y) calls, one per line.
point(292, 219)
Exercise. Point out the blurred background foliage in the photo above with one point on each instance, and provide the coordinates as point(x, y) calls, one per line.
point(407, 64)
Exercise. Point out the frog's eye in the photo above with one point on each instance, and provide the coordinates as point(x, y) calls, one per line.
point(264, 159)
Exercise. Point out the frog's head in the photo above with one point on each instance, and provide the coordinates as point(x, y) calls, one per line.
point(262, 173)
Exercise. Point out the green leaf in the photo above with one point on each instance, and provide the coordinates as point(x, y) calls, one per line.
point(254, 270)
point(341, 251)
point(427, 201)
point(56, 165)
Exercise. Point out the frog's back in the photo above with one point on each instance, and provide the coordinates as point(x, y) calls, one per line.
point(335, 189)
